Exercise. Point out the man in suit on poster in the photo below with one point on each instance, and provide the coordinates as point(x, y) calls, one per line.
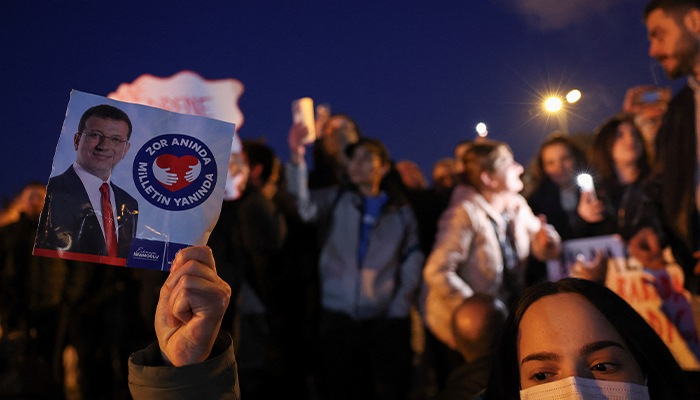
point(84, 212)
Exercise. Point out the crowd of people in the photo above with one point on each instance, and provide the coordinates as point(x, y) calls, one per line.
point(353, 278)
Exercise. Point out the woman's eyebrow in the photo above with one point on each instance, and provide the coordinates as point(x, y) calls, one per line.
point(541, 356)
point(602, 344)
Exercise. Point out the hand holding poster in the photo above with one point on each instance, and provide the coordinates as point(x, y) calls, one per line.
point(657, 295)
point(133, 185)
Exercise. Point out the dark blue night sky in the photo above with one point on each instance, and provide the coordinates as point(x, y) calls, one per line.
point(418, 75)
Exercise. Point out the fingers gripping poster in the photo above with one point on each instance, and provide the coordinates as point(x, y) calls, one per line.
point(131, 184)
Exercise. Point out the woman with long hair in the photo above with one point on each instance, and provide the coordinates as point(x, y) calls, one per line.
point(552, 190)
point(620, 167)
point(577, 334)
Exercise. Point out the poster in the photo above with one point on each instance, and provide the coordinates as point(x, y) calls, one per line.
point(186, 92)
point(657, 295)
point(162, 175)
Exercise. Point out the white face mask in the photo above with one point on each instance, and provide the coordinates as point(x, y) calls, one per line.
point(575, 388)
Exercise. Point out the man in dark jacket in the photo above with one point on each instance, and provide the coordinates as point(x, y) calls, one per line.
point(674, 35)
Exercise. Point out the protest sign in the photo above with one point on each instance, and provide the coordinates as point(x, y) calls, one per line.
point(657, 295)
point(165, 183)
point(187, 92)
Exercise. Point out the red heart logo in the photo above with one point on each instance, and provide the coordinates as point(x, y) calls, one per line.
point(171, 171)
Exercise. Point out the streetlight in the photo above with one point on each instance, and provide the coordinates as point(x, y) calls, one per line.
point(552, 104)
point(573, 96)
point(555, 105)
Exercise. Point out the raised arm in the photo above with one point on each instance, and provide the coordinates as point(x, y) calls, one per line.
point(192, 358)
point(191, 305)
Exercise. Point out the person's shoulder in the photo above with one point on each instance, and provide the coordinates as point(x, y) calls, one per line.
point(68, 174)
point(684, 97)
point(64, 182)
point(460, 194)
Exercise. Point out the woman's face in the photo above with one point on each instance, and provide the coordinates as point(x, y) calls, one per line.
point(558, 164)
point(506, 177)
point(627, 146)
point(564, 335)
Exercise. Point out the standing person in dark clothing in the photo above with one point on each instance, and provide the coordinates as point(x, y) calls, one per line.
point(444, 175)
point(32, 290)
point(247, 243)
point(674, 36)
point(553, 191)
point(620, 168)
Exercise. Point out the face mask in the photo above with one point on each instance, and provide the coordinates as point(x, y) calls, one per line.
point(575, 388)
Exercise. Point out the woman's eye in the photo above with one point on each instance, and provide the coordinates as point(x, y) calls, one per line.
point(540, 376)
point(603, 367)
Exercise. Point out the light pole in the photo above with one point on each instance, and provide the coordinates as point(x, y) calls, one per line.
point(556, 107)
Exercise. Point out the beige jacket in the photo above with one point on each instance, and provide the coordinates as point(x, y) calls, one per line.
point(466, 257)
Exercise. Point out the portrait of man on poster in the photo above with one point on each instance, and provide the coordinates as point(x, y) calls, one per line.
point(84, 212)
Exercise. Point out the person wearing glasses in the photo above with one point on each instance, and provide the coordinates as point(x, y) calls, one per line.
point(85, 213)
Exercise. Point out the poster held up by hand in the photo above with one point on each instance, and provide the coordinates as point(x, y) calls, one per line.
point(131, 184)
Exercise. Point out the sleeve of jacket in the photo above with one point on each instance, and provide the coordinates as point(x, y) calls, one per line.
point(411, 268)
point(215, 378)
point(311, 205)
point(452, 246)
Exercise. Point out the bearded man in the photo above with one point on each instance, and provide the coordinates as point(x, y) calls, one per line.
point(674, 40)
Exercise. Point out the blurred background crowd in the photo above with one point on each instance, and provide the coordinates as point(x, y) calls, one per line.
point(354, 274)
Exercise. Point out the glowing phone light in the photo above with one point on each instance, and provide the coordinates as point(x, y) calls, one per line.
point(481, 129)
point(585, 182)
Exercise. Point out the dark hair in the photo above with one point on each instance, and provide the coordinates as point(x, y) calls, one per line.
point(481, 157)
point(538, 177)
point(105, 111)
point(602, 162)
point(462, 143)
point(351, 122)
point(373, 145)
point(675, 8)
point(259, 153)
point(664, 375)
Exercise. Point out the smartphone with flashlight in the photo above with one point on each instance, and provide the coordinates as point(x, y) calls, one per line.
point(585, 182)
point(303, 113)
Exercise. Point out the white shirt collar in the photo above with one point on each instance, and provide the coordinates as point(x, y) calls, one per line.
point(89, 180)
